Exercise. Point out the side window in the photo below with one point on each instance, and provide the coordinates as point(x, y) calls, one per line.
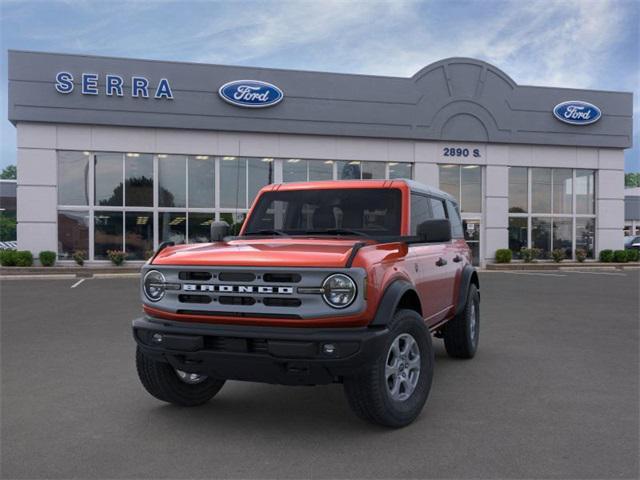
point(456, 222)
point(437, 207)
point(420, 211)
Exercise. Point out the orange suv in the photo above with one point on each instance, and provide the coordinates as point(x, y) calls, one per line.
point(327, 282)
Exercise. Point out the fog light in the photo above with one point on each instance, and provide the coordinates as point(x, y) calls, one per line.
point(157, 338)
point(329, 348)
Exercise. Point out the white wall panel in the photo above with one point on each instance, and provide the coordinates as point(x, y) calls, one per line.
point(36, 135)
point(37, 237)
point(122, 139)
point(73, 137)
point(189, 142)
point(36, 204)
point(37, 167)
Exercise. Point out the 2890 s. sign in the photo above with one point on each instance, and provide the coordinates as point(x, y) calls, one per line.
point(250, 93)
point(577, 112)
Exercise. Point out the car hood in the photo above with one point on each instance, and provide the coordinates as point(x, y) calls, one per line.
point(273, 252)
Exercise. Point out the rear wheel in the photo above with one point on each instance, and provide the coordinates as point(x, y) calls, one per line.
point(394, 388)
point(461, 334)
point(175, 386)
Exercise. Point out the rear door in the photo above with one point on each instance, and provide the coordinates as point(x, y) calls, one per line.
point(446, 266)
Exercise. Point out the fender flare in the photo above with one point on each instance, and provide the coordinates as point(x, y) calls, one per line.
point(465, 280)
point(389, 302)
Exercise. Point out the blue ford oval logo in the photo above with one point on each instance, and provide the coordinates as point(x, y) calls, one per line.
point(251, 93)
point(577, 112)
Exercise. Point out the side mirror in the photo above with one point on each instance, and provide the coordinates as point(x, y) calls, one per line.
point(219, 230)
point(435, 231)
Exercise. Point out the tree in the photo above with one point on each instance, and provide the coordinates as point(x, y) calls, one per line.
point(9, 172)
point(632, 180)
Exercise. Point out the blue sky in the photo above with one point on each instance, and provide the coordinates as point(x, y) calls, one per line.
point(568, 43)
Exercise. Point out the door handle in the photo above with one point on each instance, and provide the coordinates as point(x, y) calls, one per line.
point(457, 258)
point(441, 262)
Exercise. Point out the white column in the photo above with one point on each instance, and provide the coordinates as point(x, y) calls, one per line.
point(37, 188)
point(496, 210)
point(610, 200)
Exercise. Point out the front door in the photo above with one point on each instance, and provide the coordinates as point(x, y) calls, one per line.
point(472, 236)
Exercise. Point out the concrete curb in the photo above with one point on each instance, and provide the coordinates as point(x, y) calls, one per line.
point(80, 272)
point(561, 266)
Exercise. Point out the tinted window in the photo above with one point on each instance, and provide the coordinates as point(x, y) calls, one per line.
point(371, 211)
point(437, 207)
point(456, 222)
point(73, 178)
point(420, 211)
point(138, 172)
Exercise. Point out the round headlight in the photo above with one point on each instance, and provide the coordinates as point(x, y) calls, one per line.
point(339, 290)
point(153, 285)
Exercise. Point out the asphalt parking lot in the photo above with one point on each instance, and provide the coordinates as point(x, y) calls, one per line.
point(552, 393)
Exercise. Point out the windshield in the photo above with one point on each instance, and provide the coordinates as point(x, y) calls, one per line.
point(357, 211)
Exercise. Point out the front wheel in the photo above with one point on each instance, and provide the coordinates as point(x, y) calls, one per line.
point(175, 386)
point(394, 388)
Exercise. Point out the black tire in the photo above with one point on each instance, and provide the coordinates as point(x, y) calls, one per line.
point(460, 339)
point(162, 381)
point(368, 392)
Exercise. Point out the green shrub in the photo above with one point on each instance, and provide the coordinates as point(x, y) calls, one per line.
point(526, 254)
point(606, 256)
point(633, 255)
point(581, 254)
point(24, 258)
point(503, 255)
point(620, 256)
point(117, 257)
point(80, 256)
point(47, 258)
point(8, 258)
point(558, 255)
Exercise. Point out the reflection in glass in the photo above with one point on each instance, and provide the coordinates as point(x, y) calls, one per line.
point(517, 235)
point(73, 233)
point(562, 190)
point(233, 182)
point(320, 170)
point(235, 220)
point(138, 172)
point(200, 227)
point(260, 174)
point(172, 188)
point(518, 190)
point(108, 233)
point(585, 191)
point(399, 170)
point(294, 170)
point(541, 235)
point(562, 235)
point(541, 190)
point(450, 180)
point(471, 188)
point(202, 178)
point(73, 178)
point(586, 234)
point(108, 179)
point(172, 227)
point(138, 235)
point(349, 170)
point(373, 170)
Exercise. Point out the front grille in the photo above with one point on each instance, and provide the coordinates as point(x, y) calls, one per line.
point(237, 277)
point(194, 298)
point(282, 302)
point(195, 276)
point(229, 300)
point(282, 277)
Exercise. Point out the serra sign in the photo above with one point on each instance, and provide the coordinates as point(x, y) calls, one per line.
point(113, 85)
point(250, 93)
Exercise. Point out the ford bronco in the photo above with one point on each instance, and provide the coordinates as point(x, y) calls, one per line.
point(326, 282)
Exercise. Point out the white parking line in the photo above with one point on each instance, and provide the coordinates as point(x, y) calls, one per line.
point(535, 273)
point(78, 283)
point(598, 273)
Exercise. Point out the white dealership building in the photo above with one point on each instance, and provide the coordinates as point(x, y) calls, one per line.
point(123, 154)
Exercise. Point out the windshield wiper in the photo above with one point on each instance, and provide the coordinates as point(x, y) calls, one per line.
point(267, 232)
point(336, 231)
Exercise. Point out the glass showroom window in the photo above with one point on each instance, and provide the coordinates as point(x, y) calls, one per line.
point(298, 170)
point(73, 233)
point(551, 208)
point(464, 183)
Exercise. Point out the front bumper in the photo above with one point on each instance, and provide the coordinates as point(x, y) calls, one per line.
point(282, 355)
